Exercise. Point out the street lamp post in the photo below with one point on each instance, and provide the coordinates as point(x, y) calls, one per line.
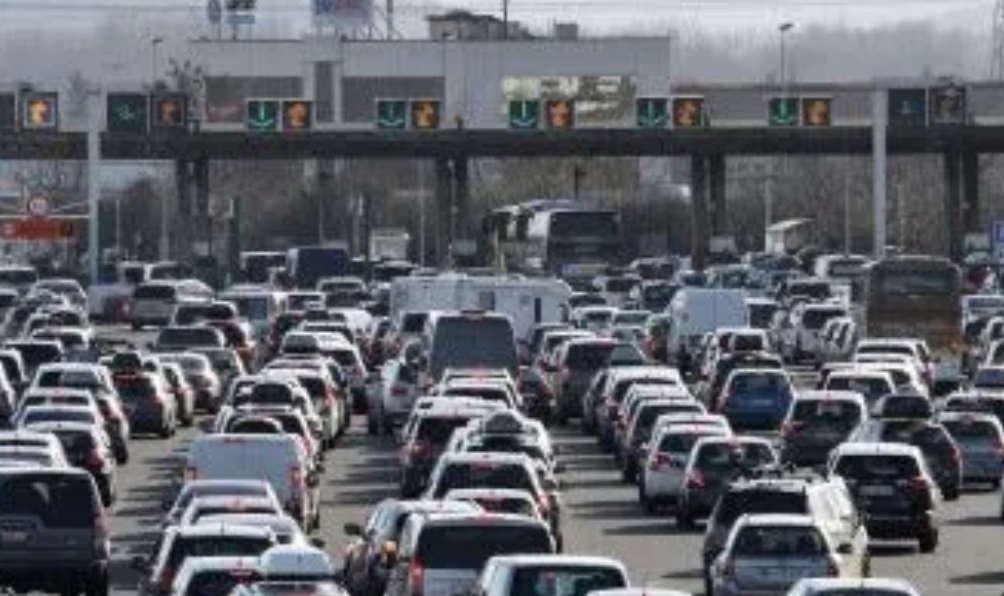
point(770, 182)
point(783, 29)
point(154, 62)
point(163, 244)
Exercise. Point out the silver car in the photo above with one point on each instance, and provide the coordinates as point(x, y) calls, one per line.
point(767, 554)
point(980, 440)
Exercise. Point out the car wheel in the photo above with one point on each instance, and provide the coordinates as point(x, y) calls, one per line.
point(709, 586)
point(928, 541)
point(97, 584)
point(628, 473)
point(684, 518)
point(951, 494)
point(995, 484)
point(647, 504)
point(866, 565)
point(372, 427)
point(107, 493)
point(165, 430)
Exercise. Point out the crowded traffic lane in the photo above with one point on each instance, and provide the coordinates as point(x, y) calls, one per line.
point(602, 517)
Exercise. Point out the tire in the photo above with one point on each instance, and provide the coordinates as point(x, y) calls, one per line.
point(866, 566)
point(928, 541)
point(107, 493)
point(684, 518)
point(97, 584)
point(136, 326)
point(372, 427)
point(709, 586)
point(628, 472)
point(165, 430)
point(951, 494)
point(995, 484)
point(647, 504)
point(121, 455)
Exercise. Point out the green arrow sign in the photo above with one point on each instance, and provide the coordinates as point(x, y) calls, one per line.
point(783, 111)
point(524, 114)
point(262, 115)
point(652, 112)
point(392, 114)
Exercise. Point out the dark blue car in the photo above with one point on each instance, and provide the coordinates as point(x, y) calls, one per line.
point(755, 398)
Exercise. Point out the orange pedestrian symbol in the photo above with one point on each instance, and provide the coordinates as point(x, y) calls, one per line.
point(425, 114)
point(560, 114)
point(170, 113)
point(38, 112)
point(297, 115)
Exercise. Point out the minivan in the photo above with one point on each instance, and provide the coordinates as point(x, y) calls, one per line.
point(153, 303)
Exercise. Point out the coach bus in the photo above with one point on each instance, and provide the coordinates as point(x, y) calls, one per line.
point(918, 297)
point(562, 238)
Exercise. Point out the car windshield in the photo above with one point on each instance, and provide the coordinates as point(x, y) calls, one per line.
point(564, 581)
point(779, 541)
point(485, 474)
point(876, 467)
point(755, 502)
point(467, 547)
point(58, 500)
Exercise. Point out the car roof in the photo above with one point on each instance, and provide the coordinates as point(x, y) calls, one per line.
point(487, 456)
point(778, 519)
point(502, 493)
point(485, 518)
point(871, 583)
point(865, 449)
point(296, 559)
point(829, 395)
point(196, 564)
point(558, 560)
point(210, 530)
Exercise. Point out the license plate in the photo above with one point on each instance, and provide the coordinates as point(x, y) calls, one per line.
point(876, 491)
point(12, 537)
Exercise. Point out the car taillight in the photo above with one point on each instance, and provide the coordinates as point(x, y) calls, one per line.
point(918, 484)
point(94, 460)
point(791, 428)
point(544, 504)
point(832, 569)
point(296, 479)
point(695, 480)
point(166, 579)
point(420, 449)
point(729, 570)
point(660, 461)
point(155, 399)
point(416, 575)
point(191, 473)
point(723, 398)
point(956, 455)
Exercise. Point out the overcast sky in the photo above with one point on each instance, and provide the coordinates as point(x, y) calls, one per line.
point(595, 15)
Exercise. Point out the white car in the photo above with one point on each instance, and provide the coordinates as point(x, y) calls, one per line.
point(574, 575)
point(825, 586)
point(768, 554)
point(662, 475)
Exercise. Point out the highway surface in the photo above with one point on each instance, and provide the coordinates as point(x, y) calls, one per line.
point(601, 517)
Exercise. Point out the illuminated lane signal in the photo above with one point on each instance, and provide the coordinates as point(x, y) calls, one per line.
point(947, 105)
point(40, 111)
point(817, 111)
point(391, 114)
point(651, 112)
point(8, 112)
point(262, 115)
point(128, 113)
point(297, 114)
point(425, 114)
point(689, 112)
point(169, 111)
point(559, 113)
point(524, 114)
point(907, 108)
point(783, 111)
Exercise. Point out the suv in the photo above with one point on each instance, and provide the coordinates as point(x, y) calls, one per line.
point(423, 442)
point(817, 422)
point(441, 554)
point(828, 502)
point(940, 451)
point(714, 463)
point(893, 488)
point(53, 532)
point(573, 367)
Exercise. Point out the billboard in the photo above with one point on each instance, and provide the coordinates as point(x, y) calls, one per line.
point(599, 100)
point(346, 14)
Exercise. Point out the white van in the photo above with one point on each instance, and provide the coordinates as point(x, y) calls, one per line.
point(259, 306)
point(154, 303)
point(280, 460)
point(694, 312)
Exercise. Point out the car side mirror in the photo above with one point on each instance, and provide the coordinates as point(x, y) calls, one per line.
point(845, 549)
point(318, 542)
point(351, 529)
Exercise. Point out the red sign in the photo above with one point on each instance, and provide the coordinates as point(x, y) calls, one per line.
point(37, 229)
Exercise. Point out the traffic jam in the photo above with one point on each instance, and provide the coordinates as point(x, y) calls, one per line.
point(794, 414)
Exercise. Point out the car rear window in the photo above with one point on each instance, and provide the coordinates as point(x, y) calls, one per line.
point(469, 547)
point(779, 541)
point(588, 356)
point(755, 502)
point(759, 382)
point(484, 475)
point(565, 580)
point(48, 415)
point(622, 387)
point(133, 388)
point(816, 318)
point(219, 583)
point(189, 336)
point(154, 292)
point(826, 411)
point(216, 546)
point(971, 430)
point(680, 442)
point(730, 455)
point(36, 354)
point(506, 505)
point(58, 500)
point(876, 467)
point(438, 430)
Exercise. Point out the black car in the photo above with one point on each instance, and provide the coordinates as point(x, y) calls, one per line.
point(816, 423)
point(892, 488)
point(940, 451)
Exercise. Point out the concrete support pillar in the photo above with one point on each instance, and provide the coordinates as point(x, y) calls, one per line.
point(953, 203)
point(200, 175)
point(180, 218)
point(971, 193)
point(716, 187)
point(444, 202)
point(698, 212)
point(461, 200)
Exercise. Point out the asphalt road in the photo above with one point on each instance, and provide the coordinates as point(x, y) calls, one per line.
point(601, 517)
